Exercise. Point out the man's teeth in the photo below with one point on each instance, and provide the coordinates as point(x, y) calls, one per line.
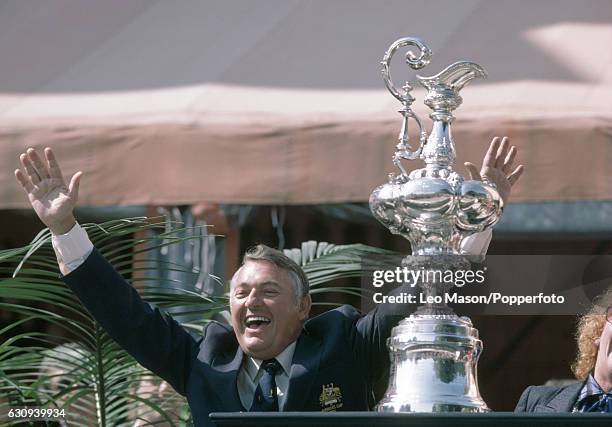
point(256, 320)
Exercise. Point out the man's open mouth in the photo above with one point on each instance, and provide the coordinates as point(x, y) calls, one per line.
point(256, 321)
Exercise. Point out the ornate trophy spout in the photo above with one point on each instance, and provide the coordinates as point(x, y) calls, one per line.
point(434, 352)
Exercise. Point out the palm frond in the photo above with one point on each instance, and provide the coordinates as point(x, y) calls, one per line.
point(325, 262)
point(94, 380)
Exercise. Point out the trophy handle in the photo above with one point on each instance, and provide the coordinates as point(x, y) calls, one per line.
point(403, 149)
point(415, 62)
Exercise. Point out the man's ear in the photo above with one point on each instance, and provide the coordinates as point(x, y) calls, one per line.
point(597, 341)
point(305, 305)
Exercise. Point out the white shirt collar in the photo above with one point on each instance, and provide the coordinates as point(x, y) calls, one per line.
point(284, 358)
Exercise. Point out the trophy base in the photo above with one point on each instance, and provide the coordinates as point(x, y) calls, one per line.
point(436, 404)
point(433, 366)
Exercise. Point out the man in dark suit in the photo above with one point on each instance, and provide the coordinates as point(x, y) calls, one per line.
point(271, 358)
point(549, 398)
point(593, 366)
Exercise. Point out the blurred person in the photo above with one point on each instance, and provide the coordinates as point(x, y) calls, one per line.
point(593, 369)
point(67, 370)
point(272, 357)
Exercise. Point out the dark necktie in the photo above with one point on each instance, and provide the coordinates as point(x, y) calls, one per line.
point(600, 403)
point(265, 396)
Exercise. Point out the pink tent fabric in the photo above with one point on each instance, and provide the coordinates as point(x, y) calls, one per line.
point(281, 102)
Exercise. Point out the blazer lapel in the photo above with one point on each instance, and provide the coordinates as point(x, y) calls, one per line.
point(224, 375)
point(304, 369)
point(565, 399)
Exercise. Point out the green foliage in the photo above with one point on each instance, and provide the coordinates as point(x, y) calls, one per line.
point(325, 262)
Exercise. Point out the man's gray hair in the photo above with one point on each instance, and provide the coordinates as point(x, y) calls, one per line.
point(279, 259)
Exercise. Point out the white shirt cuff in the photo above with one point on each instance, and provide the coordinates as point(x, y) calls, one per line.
point(72, 248)
point(477, 244)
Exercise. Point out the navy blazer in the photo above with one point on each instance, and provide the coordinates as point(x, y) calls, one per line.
point(340, 358)
point(549, 398)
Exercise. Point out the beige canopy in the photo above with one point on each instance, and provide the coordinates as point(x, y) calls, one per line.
point(281, 101)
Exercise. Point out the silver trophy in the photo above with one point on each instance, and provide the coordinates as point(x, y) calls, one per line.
point(434, 352)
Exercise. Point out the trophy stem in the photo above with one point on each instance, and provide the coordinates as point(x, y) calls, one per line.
point(439, 151)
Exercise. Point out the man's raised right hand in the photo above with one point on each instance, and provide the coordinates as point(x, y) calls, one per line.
point(44, 184)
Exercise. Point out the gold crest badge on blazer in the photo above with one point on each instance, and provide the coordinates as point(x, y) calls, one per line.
point(330, 398)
